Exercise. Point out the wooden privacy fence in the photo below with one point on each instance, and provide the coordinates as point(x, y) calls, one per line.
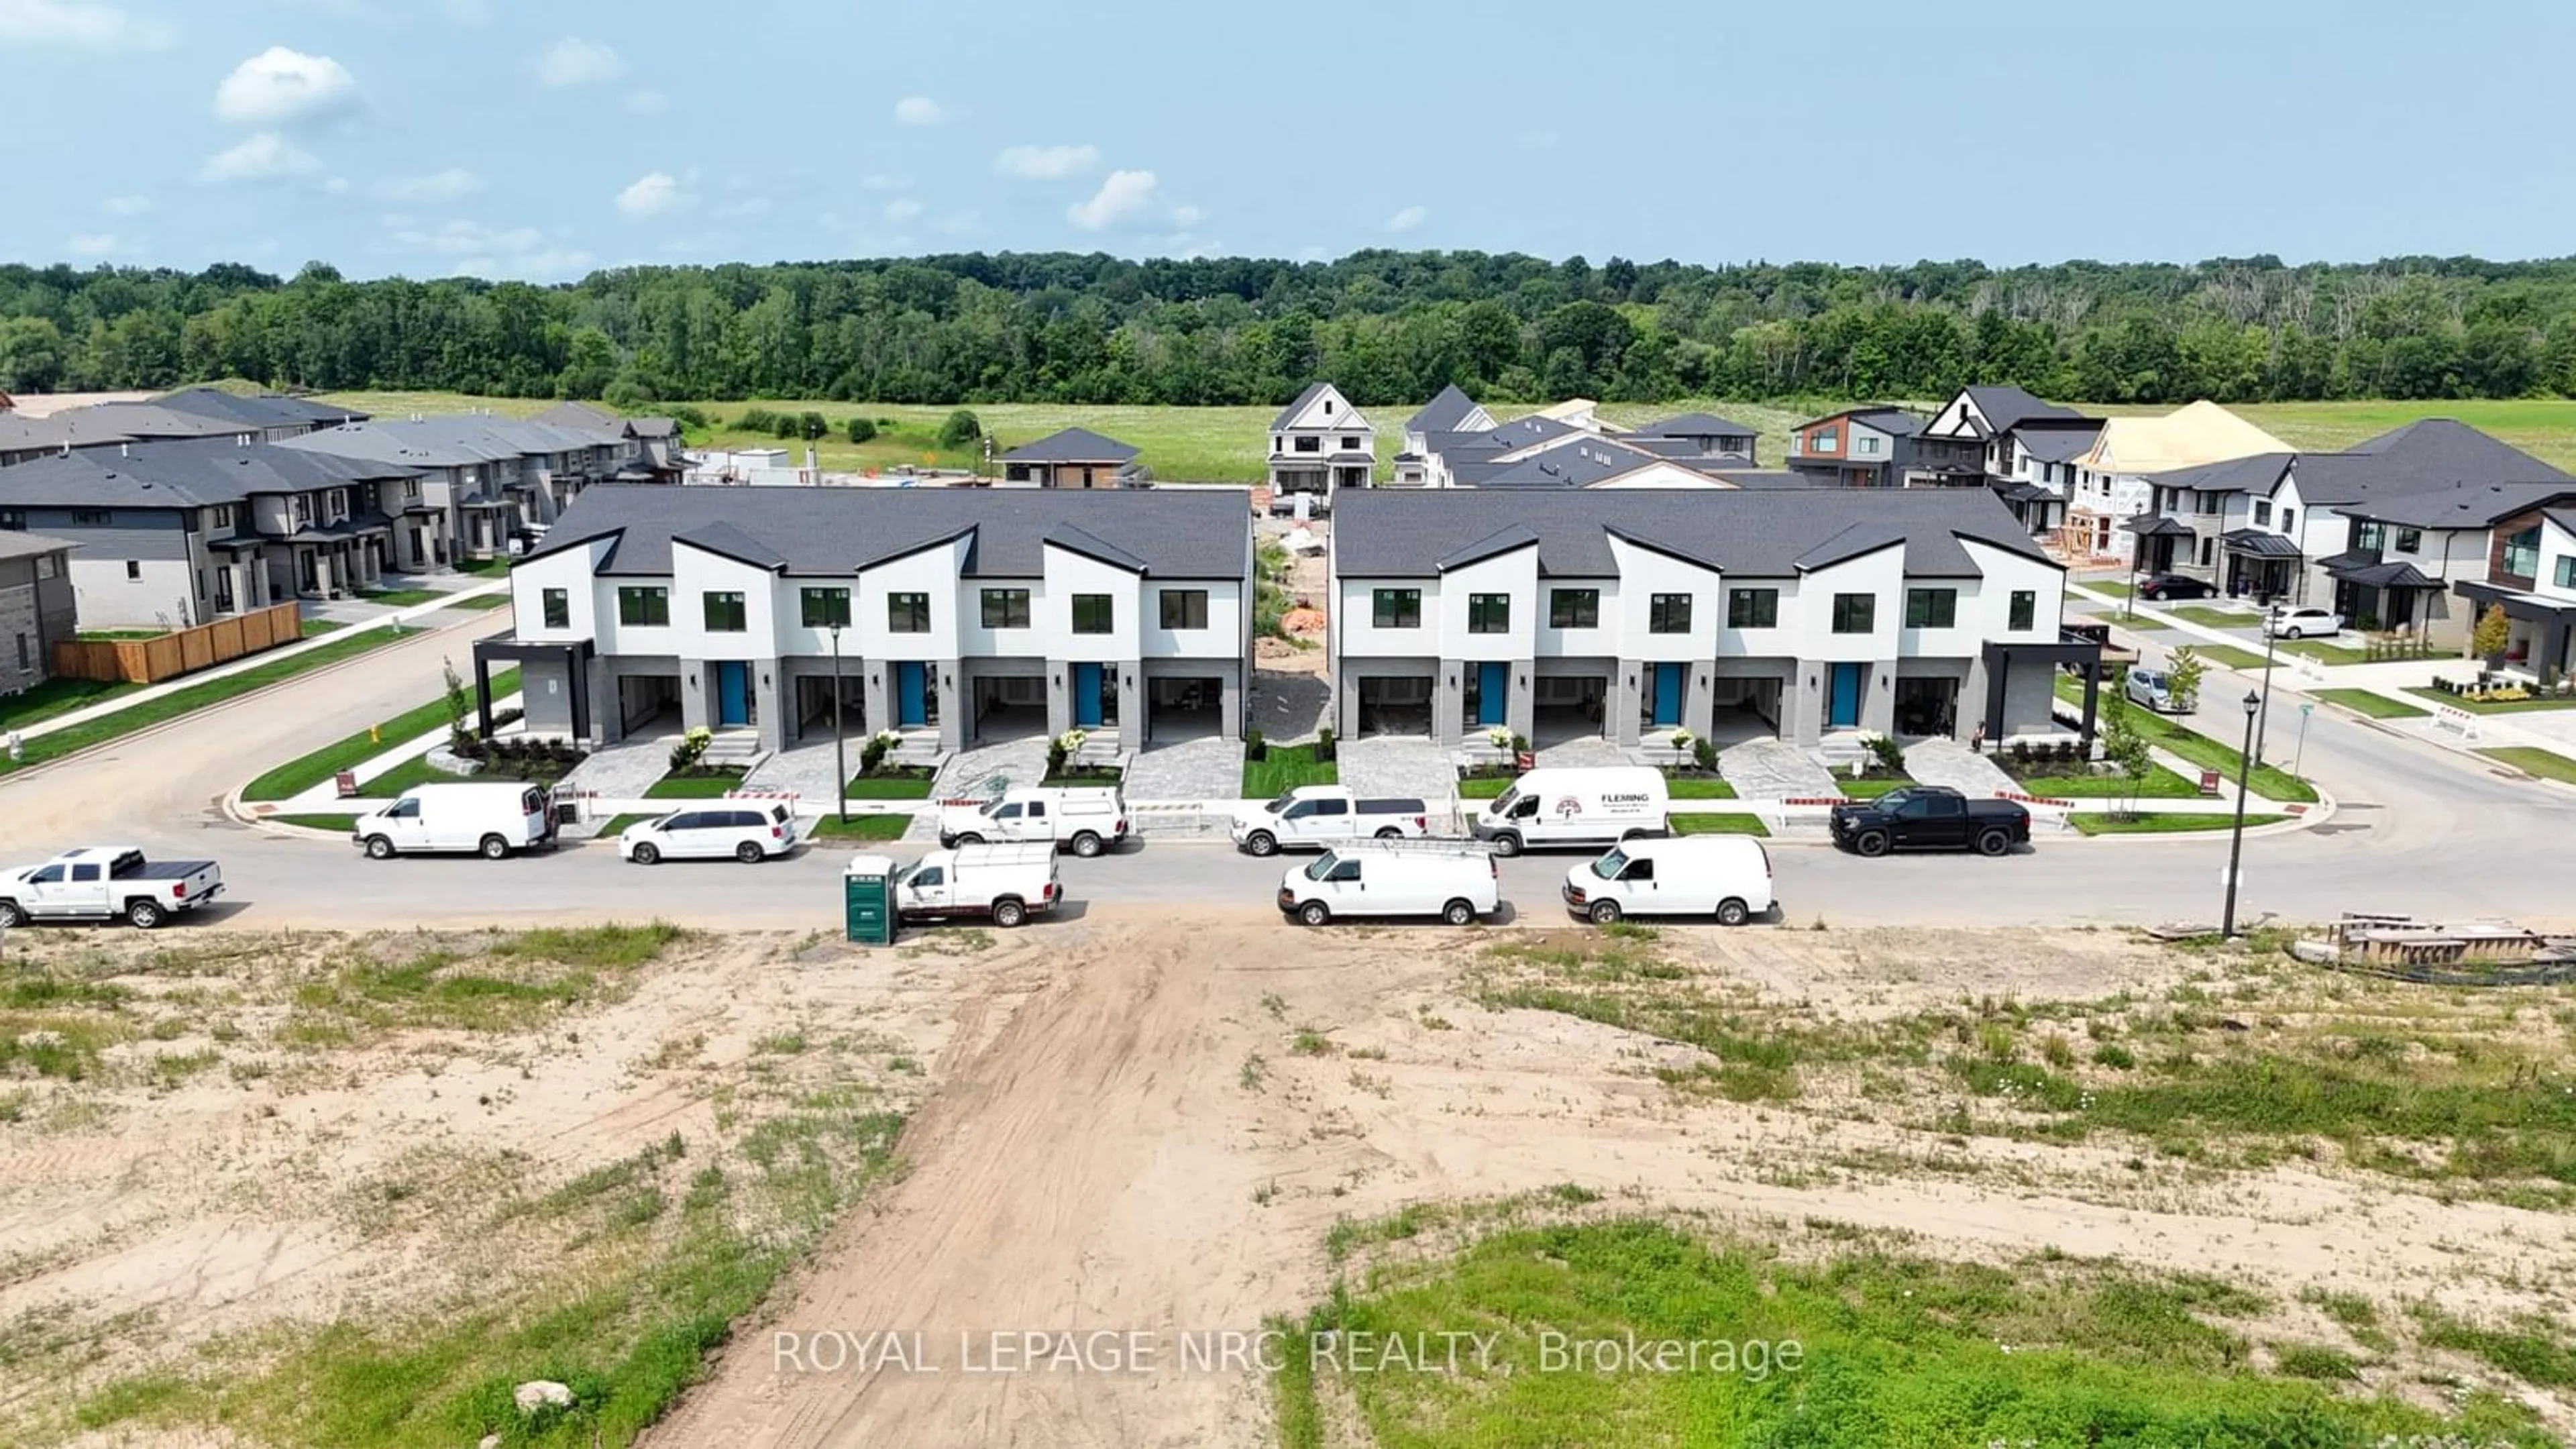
point(183, 651)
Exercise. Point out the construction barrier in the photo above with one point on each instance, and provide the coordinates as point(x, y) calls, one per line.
point(2450, 717)
point(182, 651)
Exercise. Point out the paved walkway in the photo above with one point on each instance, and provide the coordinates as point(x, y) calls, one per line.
point(1947, 762)
point(1386, 765)
point(809, 769)
point(253, 661)
point(1770, 769)
point(1581, 753)
point(1019, 762)
point(625, 770)
point(1202, 769)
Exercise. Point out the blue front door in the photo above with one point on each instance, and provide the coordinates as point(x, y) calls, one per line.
point(1668, 693)
point(911, 690)
point(1086, 695)
point(1490, 698)
point(733, 694)
point(1845, 711)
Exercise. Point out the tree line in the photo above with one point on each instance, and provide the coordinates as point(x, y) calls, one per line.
point(1389, 327)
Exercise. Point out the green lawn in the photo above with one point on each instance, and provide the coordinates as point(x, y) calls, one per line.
point(860, 827)
point(883, 787)
point(401, 598)
point(2113, 588)
point(1718, 825)
point(2214, 618)
point(617, 825)
point(117, 636)
point(1700, 789)
point(2160, 784)
point(2269, 781)
point(2319, 649)
point(1484, 787)
point(316, 628)
point(167, 707)
point(493, 568)
point(2501, 706)
point(57, 697)
point(338, 823)
point(478, 602)
point(1286, 768)
point(2377, 706)
point(2153, 824)
point(1868, 789)
point(2228, 656)
point(2547, 764)
point(297, 776)
point(693, 787)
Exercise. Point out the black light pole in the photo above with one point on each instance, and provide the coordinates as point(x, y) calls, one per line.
point(2236, 841)
point(840, 742)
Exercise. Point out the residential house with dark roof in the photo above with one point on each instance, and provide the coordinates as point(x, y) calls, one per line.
point(1698, 436)
point(1320, 444)
point(1452, 412)
point(1805, 612)
point(2540, 619)
point(37, 607)
point(968, 614)
point(2030, 447)
point(485, 481)
point(172, 534)
point(1882, 447)
point(642, 450)
point(197, 412)
point(2430, 561)
point(1074, 458)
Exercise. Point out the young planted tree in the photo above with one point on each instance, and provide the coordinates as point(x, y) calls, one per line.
point(2183, 677)
point(2488, 640)
point(2126, 750)
point(455, 700)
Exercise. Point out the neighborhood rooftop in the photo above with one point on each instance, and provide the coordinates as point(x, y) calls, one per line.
point(180, 473)
point(1072, 445)
point(1167, 532)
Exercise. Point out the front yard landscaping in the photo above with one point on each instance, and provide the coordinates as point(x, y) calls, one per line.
point(2177, 739)
point(2319, 649)
point(297, 776)
point(2153, 824)
point(1870, 788)
point(1079, 776)
point(2211, 617)
point(893, 782)
point(2228, 656)
point(57, 696)
point(859, 827)
point(1283, 768)
point(696, 782)
point(2371, 703)
point(1718, 825)
point(2158, 784)
point(2547, 764)
point(401, 598)
point(2475, 705)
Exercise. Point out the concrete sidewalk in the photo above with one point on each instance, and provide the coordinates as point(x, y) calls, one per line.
point(252, 661)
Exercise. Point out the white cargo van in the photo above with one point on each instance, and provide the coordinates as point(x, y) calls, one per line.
point(1083, 819)
point(1003, 883)
point(1576, 807)
point(1726, 876)
point(494, 820)
point(1455, 880)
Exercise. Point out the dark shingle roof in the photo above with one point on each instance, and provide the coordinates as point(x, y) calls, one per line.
point(1289, 413)
point(2397, 575)
point(1697, 425)
point(1896, 422)
point(262, 410)
point(1072, 445)
point(1742, 478)
point(1442, 414)
point(2058, 443)
point(582, 418)
point(2006, 407)
point(2260, 542)
point(2431, 453)
point(1166, 532)
point(2260, 473)
point(2464, 505)
point(183, 474)
point(1400, 533)
point(442, 440)
point(723, 538)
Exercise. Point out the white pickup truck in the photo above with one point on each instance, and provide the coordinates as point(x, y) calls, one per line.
point(105, 883)
point(1324, 815)
point(1004, 883)
point(1084, 820)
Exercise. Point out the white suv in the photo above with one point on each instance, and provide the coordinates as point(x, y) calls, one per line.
point(2305, 622)
point(746, 832)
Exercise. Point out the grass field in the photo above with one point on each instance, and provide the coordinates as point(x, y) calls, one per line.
point(889, 787)
point(1284, 769)
point(1230, 445)
point(2159, 784)
point(2547, 764)
point(694, 787)
point(1719, 825)
point(2211, 616)
point(2153, 824)
point(2377, 706)
point(859, 827)
point(297, 776)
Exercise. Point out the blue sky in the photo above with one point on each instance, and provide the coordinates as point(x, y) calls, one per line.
point(542, 138)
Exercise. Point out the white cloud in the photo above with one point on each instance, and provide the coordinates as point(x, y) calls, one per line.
point(902, 209)
point(279, 86)
point(573, 61)
point(79, 24)
point(1409, 219)
point(453, 184)
point(98, 244)
point(1124, 194)
point(267, 156)
point(465, 238)
point(1188, 246)
point(658, 194)
point(1046, 163)
point(918, 111)
point(126, 205)
point(647, 103)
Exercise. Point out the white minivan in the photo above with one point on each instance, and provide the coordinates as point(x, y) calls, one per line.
point(1597, 806)
point(1455, 880)
point(1726, 876)
point(493, 820)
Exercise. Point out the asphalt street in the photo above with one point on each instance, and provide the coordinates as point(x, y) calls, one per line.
point(2416, 829)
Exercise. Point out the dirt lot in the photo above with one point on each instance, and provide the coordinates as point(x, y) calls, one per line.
point(1133, 1122)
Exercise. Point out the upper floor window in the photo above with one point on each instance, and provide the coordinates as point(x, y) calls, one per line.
point(1824, 440)
point(1668, 614)
point(1753, 609)
point(1006, 608)
point(2366, 536)
point(1185, 608)
point(1865, 446)
point(558, 607)
point(90, 518)
point(1310, 444)
point(1094, 614)
point(1855, 613)
point(725, 612)
point(2410, 540)
point(1489, 613)
point(825, 608)
point(1350, 444)
point(2289, 520)
point(1573, 608)
point(2025, 610)
point(643, 605)
point(2521, 557)
point(2205, 505)
point(2567, 571)
point(220, 516)
point(1395, 608)
point(336, 502)
point(908, 613)
point(49, 566)
point(2263, 511)
point(411, 490)
point(13, 520)
point(1925, 608)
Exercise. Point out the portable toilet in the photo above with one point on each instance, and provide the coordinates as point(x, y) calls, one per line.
point(867, 899)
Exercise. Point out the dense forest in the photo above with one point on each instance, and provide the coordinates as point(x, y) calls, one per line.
point(1389, 327)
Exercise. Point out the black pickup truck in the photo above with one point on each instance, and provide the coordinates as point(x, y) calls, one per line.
point(1930, 817)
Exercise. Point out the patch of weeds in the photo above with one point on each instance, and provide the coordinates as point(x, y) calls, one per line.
point(1253, 1073)
point(2314, 1361)
point(1275, 1004)
point(1310, 1043)
point(781, 1044)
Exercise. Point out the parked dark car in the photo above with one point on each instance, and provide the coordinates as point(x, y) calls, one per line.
point(2160, 587)
point(1930, 817)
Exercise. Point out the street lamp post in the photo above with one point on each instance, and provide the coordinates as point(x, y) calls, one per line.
point(840, 742)
point(2236, 839)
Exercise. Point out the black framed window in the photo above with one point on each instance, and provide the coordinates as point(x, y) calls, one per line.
point(1489, 613)
point(725, 612)
point(2025, 609)
point(908, 613)
point(1753, 609)
point(1094, 614)
point(558, 607)
point(1395, 608)
point(1931, 608)
point(1185, 608)
point(1668, 614)
point(1855, 613)
point(643, 605)
point(1572, 608)
point(1006, 608)
point(825, 607)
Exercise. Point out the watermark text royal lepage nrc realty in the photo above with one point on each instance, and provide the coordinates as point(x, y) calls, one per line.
point(1151, 1351)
